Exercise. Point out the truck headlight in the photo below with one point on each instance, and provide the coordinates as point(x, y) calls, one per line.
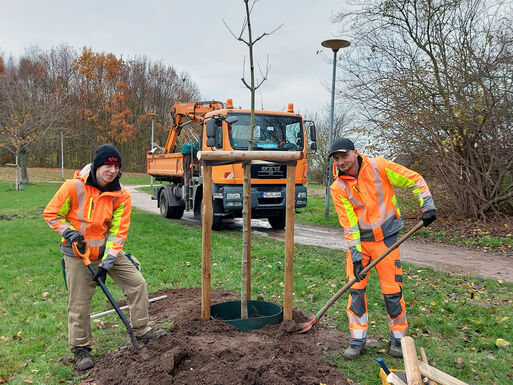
point(301, 194)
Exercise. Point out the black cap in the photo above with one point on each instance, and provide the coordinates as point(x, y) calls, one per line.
point(342, 145)
point(106, 154)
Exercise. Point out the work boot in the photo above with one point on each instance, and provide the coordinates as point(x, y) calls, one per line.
point(152, 334)
point(395, 350)
point(353, 351)
point(83, 359)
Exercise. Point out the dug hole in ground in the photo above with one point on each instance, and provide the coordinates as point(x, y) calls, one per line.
point(214, 352)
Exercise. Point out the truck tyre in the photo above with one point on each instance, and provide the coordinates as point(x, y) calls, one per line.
point(172, 212)
point(217, 220)
point(277, 222)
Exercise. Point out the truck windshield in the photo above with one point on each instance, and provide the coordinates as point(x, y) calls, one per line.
point(272, 132)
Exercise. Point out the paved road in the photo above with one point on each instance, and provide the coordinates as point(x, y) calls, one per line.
point(448, 258)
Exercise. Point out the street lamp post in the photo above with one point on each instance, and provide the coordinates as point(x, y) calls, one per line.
point(152, 140)
point(334, 45)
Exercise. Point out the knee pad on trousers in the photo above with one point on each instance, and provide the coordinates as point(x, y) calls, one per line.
point(393, 304)
point(357, 302)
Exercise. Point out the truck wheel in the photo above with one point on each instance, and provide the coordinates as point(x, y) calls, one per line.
point(277, 222)
point(172, 212)
point(217, 220)
point(164, 204)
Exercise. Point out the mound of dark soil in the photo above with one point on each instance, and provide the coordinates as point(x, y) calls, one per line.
point(213, 352)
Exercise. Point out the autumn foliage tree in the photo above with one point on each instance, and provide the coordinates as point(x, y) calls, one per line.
point(89, 98)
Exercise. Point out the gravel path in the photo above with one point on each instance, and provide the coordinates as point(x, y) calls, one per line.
point(447, 258)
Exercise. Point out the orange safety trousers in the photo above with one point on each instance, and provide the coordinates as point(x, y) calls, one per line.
point(390, 277)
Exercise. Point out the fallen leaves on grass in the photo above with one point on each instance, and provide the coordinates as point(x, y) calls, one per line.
point(501, 343)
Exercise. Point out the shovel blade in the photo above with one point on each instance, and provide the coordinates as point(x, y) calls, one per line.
point(306, 326)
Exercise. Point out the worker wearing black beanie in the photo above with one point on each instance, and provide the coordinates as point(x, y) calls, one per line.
point(106, 154)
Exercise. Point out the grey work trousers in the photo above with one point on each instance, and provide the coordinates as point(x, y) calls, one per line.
point(81, 288)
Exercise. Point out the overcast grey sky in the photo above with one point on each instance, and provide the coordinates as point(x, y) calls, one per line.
point(190, 36)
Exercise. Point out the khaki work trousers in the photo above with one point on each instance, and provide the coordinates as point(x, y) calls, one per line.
point(81, 288)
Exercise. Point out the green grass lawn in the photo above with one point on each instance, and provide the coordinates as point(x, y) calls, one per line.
point(457, 319)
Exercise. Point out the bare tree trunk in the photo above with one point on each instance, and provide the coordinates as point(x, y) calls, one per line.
point(23, 166)
point(246, 207)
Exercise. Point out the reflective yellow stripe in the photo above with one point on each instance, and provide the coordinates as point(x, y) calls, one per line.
point(401, 181)
point(394, 201)
point(354, 230)
point(115, 224)
point(90, 208)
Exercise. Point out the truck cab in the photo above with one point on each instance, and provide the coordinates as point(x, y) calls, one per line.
point(228, 129)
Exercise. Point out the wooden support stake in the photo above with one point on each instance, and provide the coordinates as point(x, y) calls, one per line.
point(411, 362)
point(272, 156)
point(206, 241)
point(425, 360)
point(289, 242)
point(440, 377)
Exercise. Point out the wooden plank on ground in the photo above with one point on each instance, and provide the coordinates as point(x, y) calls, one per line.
point(437, 375)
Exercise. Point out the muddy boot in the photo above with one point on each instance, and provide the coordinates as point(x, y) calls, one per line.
point(395, 350)
point(83, 359)
point(353, 351)
point(152, 334)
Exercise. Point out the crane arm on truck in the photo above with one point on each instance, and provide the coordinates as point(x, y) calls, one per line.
point(192, 112)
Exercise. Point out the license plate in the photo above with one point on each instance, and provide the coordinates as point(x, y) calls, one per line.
point(271, 194)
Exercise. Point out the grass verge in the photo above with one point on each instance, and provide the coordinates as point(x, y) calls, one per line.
point(461, 322)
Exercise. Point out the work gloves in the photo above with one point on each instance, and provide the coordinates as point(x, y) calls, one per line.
point(428, 217)
point(100, 273)
point(104, 267)
point(357, 270)
point(73, 236)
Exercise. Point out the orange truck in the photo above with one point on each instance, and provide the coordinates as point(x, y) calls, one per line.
point(213, 126)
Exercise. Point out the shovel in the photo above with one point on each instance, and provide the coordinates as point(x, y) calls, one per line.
point(305, 326)
point(85, 258)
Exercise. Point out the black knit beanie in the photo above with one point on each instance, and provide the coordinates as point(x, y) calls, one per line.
point(106, 154)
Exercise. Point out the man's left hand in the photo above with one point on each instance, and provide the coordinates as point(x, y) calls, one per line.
point(101, 273)
point(104, 267)
point(428, 217)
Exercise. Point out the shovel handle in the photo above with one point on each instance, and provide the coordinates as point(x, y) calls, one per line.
point(367, 268)
point(85, 258)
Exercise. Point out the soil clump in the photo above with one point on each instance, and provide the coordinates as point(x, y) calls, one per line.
point(214, 352)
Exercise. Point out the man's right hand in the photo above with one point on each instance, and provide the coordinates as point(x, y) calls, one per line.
point(357, 270)
point(73, 236)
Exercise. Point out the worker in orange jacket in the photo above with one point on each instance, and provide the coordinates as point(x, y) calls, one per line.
point(367, 209)
point(94, 209)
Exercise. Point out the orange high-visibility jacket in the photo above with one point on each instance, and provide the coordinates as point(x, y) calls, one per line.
point(367, 207)
point(102, 218)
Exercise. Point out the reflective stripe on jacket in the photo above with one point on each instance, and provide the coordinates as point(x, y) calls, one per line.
point(367, 207)
point(102, 218)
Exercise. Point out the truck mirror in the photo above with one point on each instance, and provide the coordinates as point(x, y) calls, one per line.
point(211, 142)
point(211, 128)
point(313, 134)
point(231, 119)
point(313, 146)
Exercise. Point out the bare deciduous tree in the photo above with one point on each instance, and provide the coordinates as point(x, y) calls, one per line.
point(246, 208)
point(435, 81)
point(342, 127)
